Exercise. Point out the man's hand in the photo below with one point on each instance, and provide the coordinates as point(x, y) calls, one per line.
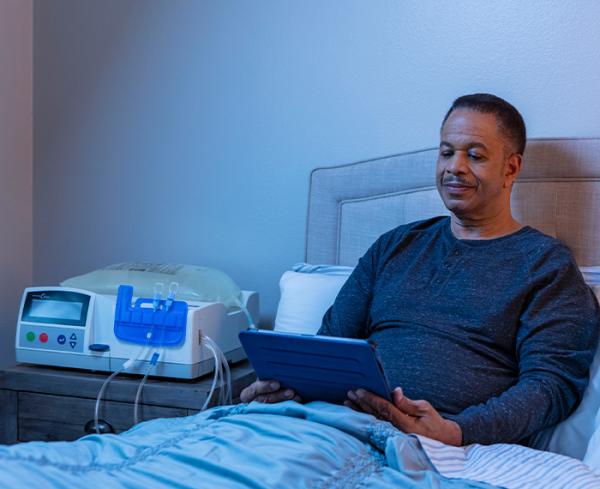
point(268, 391)
point(409, 416)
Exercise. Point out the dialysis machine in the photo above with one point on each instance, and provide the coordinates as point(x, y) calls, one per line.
point(70, 327)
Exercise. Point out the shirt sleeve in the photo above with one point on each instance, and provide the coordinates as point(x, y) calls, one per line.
point(555, 345)
point(349, 317)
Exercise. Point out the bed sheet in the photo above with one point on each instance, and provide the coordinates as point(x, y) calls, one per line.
point(317, 445)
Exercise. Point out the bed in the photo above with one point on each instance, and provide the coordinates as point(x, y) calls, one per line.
point(327, 446)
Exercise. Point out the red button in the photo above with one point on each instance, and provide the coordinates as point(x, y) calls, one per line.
point(43, 337)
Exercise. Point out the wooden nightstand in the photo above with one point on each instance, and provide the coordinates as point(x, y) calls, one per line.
point(48, 403)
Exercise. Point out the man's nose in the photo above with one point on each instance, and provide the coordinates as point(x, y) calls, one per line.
point(457, 164)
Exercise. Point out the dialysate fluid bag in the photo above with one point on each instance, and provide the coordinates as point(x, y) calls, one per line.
point(196, 283)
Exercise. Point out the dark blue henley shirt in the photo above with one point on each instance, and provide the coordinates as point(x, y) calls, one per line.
point(496, 334)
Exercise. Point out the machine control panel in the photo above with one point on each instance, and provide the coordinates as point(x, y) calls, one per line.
point(53, 320)
point(53, 338)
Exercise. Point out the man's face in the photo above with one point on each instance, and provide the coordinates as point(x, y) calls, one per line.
point(475, 167)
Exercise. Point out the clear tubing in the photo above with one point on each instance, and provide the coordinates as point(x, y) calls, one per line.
point(158, 290)
point(228, 399)
point(249, 318)
point(100, 395)
point(141, 355)
point(221, 380)
point(144, 351)
point(225, 396)
point(138, 394)
point(173, 288)
point(218, 367)
point(225, 377)
point(214, 382)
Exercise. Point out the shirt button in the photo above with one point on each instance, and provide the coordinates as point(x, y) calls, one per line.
point(456, 252)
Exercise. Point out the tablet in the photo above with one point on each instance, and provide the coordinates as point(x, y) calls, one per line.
point(317, 368)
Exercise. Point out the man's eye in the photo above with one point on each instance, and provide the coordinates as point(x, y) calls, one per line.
point(475, 156)
point(446, 154)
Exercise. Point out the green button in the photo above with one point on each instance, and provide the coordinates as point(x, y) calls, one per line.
point(30, 336)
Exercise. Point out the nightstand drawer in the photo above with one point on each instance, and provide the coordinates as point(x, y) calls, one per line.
point(47, 417)
point(49, 403)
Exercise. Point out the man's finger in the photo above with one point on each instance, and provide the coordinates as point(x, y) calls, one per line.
point(266, 386)
point(408, 406)
point(351, 405)
point(361, 398)
point(358, 403)
point(257, 388)
point(268, 398)
point(382, 408)
point(279, 396)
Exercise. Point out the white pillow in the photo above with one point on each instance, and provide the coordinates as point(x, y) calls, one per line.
point(306, 293)
point(571, 436)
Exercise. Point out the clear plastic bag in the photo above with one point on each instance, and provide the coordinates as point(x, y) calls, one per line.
point(196, 283)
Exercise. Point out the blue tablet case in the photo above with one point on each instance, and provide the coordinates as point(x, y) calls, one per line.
point(317, 368)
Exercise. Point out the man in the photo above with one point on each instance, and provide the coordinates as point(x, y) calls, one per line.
point(488, 321)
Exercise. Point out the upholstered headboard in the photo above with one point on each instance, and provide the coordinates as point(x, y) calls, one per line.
point(557, 192)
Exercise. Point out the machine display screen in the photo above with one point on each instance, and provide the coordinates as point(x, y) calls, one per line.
point(56, 307)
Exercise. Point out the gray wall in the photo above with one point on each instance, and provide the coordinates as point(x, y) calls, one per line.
point(16, 63)
point(185, 131)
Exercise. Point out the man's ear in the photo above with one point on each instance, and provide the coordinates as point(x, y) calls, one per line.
point(512, 168)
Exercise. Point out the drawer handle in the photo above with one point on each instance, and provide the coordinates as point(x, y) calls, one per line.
point(103, 427)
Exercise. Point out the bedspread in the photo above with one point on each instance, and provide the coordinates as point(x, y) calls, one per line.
point(317, 445)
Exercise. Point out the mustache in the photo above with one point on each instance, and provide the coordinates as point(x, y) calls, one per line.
point(452, 180)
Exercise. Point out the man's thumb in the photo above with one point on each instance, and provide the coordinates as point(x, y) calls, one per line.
point(404, 404)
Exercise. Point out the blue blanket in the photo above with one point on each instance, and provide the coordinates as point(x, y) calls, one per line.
point(317, 445)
